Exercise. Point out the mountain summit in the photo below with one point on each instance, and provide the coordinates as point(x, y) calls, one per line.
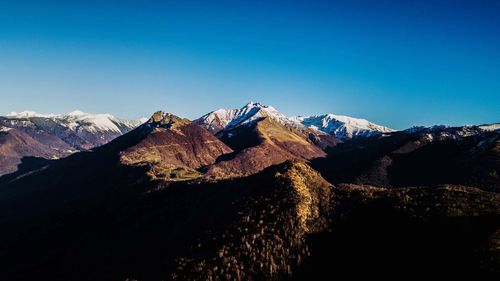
point(261, 200)
point(342, 127)
point(338, 126)
point(75, 122)
point(224, 119)
point(261, 136)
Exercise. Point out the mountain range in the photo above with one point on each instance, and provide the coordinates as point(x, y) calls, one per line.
point(52, 136)
point(247, 194)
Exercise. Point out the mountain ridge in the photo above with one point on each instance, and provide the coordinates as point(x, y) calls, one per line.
point(342, 127)
point(57, 135)
point(261, 201)
point(338, 126)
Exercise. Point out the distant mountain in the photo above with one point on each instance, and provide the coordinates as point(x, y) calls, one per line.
point(468, 155)
point(490, 127)
point(79, 129)
point(53, 136)
point(342, 127)
point(226, 119)
point(258, 200)
point(16, 144)
point(261, 136)
point(223, 120)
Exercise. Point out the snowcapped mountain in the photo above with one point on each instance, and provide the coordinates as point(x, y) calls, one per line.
point(224, 119)
point(342, 127)
point(54, 136)
point(490, 127)
point(28, 114)
point(438, 133)
point(78, 121)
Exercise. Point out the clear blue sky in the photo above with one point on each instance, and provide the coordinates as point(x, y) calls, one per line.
point(397, 63)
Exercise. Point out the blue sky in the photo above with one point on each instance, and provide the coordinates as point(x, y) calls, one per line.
point(397, 63)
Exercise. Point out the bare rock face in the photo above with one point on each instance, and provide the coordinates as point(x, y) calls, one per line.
point(157, 117)
point(166, 120)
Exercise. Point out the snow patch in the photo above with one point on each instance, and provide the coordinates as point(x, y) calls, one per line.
point(490, 127)
point(28, 114)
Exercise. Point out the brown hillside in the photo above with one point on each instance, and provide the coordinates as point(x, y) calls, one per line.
point(16, 144)
point(174, 148)
point(260, 145)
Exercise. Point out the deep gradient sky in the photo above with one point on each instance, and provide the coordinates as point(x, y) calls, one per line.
point(397, 63)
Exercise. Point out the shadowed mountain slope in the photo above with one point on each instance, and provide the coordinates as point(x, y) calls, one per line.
point(259, 145)
point(16, 144)
point(445, 232)
point(145, 230)
point(424, 156)
point(284, 222)
point(140, 208)
point(56, 136)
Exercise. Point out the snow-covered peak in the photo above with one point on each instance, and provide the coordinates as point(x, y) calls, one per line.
point(444, 132)
point(92, 122)
point(28, 114)
point(340, 126)
point(223, 119)
point(490, 127)
point(4, 129)
point(78, 120)
point(77, 113)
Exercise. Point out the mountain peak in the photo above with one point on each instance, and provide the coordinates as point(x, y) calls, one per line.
point(259, 105)
point(340, 126)
point(76, 113)
point(164, 119)
point(224, 119)
point(255, 104)
point(28, 114)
